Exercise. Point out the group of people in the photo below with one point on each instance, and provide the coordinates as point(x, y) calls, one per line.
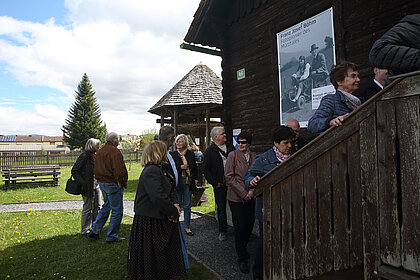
point(157, 247)
point(234, 174)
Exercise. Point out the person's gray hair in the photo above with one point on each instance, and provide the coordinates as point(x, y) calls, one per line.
point(112, 137)
point(183, 136)
point(165, 132)
point(215, 131)
point(92, 145)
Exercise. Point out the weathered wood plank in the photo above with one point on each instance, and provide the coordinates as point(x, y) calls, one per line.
point(323, 182)
point(355, 201)
point(391, 273)
point(267, 227)
point(312, 218)
point(410, 87)
point(369, 186)
point(339, 203)
point(408, 123)
point(286, 231)
point(387, 175)
point(275, 231)
point(298, 221)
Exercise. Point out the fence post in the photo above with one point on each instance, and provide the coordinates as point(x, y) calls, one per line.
point(48, 157)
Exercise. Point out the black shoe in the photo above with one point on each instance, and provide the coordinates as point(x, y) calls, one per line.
point(189, 233)
point(118, 239)
point(243, 267)
point(93, 235)
point(255, 277)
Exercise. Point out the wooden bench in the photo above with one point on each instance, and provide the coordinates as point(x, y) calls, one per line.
point(31, 173)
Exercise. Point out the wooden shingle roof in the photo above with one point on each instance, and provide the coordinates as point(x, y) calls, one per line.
point(200, 86)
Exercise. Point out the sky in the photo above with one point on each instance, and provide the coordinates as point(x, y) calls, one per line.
point(128, 48)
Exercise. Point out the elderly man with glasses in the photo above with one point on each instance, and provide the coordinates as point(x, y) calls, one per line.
point(214, 167)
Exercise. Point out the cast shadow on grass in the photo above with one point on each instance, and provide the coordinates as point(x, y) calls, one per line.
point(73, 256)
point(67, 256)
point(26, 185)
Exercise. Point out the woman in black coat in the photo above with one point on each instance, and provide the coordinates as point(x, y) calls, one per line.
point(82, 172)
point(155, 249)
point(187, 177)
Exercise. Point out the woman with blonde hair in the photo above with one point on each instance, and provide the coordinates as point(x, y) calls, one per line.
point(155, 249)
point(187, 174)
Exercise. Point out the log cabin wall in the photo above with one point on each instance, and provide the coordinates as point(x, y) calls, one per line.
point(248, 40)
point(347, 206)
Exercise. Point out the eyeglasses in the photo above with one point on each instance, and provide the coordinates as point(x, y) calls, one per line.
point(354, 76)
point(242, 142)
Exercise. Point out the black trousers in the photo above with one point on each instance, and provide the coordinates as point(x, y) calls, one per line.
point(243, 218)
point(220, 197)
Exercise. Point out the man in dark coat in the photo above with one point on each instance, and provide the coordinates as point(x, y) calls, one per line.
point(214, 170)
point(372, 87)
point(399, 48)
point(319, 71)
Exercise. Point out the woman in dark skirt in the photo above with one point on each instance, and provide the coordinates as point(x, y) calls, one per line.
point(155, 249)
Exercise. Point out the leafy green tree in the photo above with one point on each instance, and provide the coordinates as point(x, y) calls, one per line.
point(84, 118)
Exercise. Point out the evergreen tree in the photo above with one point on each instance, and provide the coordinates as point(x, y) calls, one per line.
point(84, 118)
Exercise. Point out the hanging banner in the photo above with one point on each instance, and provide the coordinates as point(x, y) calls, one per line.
point(306, 54)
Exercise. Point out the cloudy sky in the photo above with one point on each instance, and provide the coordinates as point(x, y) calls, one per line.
point(128, 48)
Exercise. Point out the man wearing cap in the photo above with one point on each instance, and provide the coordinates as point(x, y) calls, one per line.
point(319, 70)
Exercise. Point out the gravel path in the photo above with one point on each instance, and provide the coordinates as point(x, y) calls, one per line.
point(220, 257)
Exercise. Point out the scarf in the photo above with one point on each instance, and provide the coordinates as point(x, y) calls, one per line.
point(353, 100)
point(185, 173)
point(279, 155)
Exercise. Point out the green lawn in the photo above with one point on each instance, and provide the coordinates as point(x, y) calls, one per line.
point(47, 245)
point(33, 192)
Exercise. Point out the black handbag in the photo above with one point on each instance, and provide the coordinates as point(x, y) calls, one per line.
point(72, 187)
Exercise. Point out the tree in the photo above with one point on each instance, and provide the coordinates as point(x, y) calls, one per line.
point(84, 118)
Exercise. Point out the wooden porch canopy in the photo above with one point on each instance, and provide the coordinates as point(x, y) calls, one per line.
point(190, 104)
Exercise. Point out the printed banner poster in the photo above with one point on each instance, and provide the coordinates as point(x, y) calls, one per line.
point(305, 55)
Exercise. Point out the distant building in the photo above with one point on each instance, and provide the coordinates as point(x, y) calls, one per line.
point(31, 143)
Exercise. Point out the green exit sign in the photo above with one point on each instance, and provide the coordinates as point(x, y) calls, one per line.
point(240, 74)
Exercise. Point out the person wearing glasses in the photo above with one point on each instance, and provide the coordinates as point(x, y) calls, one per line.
point(214, 170)
point(334, 108)
point(240, 197)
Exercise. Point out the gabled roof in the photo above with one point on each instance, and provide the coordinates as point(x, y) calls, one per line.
point(200, 86)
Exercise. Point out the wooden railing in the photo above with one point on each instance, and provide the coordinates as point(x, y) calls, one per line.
point(348, 204)
point(8, 159)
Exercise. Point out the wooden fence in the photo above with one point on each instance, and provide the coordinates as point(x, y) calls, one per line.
point(347, 205)
point(8, 159)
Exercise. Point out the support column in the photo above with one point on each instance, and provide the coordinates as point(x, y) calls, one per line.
point(175, 121)
point(162, 120)
point(207, 128)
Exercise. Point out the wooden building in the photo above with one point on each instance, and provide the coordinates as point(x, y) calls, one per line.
point(245, 33)
point(191, 104)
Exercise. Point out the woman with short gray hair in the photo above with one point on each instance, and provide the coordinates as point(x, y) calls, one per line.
point(82, 172)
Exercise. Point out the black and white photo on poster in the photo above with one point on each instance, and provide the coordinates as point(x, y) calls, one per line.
point(306, 54)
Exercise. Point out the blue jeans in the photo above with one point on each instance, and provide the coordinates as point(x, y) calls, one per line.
point(184, 200)
point(113, 202)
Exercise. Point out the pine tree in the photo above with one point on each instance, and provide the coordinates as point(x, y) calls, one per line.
point(84, 118)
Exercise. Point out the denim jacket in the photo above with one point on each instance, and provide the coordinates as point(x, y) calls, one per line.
point(263, 164)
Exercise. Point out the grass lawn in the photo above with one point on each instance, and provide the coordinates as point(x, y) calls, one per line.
point(33, 193)
point(47, 245)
